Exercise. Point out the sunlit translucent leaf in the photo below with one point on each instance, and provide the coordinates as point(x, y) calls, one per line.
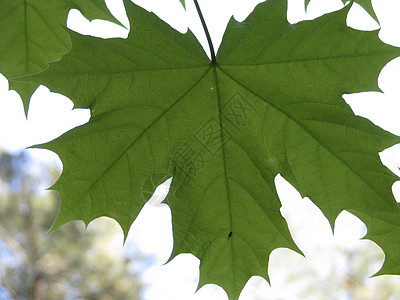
point(271, 104)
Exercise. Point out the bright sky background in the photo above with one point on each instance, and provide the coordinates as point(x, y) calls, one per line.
point(51, 114)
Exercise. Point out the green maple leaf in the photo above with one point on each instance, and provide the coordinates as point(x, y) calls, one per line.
point(183, 3)
point(269, 103)
point(32, 35)
point(366, 4)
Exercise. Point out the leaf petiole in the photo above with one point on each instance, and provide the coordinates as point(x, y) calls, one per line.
point(210, 44)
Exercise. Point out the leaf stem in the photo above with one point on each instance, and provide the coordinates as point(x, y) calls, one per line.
point(210, 44)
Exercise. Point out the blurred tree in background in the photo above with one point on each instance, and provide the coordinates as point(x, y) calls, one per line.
point(74, 263)
point(346, 275)
point(70, 263)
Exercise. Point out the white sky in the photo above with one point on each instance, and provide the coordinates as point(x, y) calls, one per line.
point(51, 114)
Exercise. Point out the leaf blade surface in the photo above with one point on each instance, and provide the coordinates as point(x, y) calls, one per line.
point(272, 104)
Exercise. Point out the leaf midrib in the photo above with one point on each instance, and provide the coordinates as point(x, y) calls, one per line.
point(337, 57)
point(227, 188)
point(40, 76)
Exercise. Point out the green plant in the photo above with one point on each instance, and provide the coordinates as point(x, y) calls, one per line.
point(268, 102)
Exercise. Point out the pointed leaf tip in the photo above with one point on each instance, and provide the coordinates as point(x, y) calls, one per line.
point(306, 3)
